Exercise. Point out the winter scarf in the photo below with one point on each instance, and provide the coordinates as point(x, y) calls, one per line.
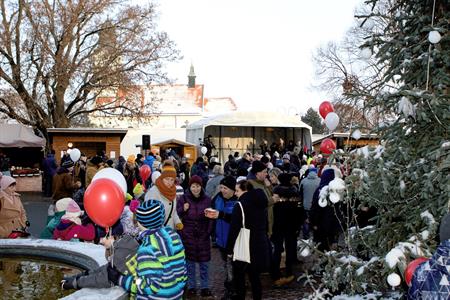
point(169, 193)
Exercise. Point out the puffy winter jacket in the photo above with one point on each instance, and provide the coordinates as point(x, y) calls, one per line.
point(431, 278)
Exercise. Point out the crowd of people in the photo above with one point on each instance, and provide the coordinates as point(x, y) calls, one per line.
point(171, 221)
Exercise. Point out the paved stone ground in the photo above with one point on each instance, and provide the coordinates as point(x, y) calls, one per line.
point(37, 205)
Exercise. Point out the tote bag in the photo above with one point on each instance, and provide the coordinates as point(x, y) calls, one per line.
point(242, 245)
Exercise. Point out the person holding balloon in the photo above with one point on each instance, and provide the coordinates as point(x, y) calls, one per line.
point(164, 190)
point(429, 279)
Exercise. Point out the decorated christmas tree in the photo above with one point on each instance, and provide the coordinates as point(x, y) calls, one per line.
point(406, 179)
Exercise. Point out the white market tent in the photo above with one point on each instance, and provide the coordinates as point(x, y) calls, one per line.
point(244, 131)
point(18, 135)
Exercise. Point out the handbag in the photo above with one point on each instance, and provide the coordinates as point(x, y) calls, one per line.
point(241, 250)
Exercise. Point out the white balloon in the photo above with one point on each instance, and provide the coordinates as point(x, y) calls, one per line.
point(114, 175)
point(434, 37)
point(204, 150)
point(356, 134)
point(75, 154)
point(69, 150)
point(365, 53)
point(323, 202)
point(332, 121)
point(394, 279)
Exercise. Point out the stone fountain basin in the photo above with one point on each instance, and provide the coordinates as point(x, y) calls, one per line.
point(82, 255)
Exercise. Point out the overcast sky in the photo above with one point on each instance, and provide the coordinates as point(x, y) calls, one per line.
point(259, 52)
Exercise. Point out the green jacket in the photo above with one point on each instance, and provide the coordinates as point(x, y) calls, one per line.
point(47, 233)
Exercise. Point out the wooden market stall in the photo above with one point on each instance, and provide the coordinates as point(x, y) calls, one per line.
point(89, 141)
point(21, 154)
point(182, 149)
point(342, 141)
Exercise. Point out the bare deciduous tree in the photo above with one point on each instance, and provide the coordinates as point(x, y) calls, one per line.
point(58, 56)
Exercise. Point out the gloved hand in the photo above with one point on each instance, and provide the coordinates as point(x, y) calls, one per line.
point(70, 284)
point(113, 274)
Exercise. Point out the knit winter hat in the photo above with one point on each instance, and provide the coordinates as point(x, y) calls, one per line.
point(258, 166)
point(6, 181)
point(73, 212)
point(61, 204)
point(168, 170)
point(134, 204)
point(151, 214)
point(67, 164)
point(229, 182)
point(138, 190)
point(285, 179)
point(286, 156)
point(195, 179)
point(444, 229)
point(131, 159)
point(155, 175)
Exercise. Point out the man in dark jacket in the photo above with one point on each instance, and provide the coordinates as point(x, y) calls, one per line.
point(287, 217)
point(49, 167)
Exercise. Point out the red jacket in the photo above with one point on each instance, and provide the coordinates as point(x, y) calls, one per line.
point(67, 230)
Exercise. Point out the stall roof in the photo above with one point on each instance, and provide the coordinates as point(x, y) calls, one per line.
point(18, 135)
point(172, 141)
point(88, 130)
point(250, 119)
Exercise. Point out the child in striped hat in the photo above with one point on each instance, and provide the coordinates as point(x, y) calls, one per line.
point(151, 267)
point(159, 266)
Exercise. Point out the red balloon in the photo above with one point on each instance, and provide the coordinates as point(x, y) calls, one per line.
point(411, 268)
point(327, 146)
point(145, 172)
point(104, 201)
point(325, 108)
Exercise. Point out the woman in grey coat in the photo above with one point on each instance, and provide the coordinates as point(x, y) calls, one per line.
point(212, 187)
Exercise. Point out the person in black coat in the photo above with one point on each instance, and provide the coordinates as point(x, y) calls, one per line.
point(287, 217)
point(326, 221)
point(254, 203)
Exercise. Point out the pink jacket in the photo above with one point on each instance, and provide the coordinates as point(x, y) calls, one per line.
point(67, 230)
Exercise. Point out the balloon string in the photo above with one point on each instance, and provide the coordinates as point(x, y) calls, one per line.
point(109, 233)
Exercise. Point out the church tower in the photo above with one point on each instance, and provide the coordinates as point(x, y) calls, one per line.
point(191, 77)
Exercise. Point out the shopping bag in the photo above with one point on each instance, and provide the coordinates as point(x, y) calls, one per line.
point(241, 250)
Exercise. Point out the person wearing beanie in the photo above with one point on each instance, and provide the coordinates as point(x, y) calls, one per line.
point(164, 190)
point(64, 183)
point(196, 234)
point(140, 160)
point(308, 186)
point(70, 226)
point(60, 210)
point(222, 209)
point(12, 214)
point(92, 167)
point(258, 177)
point(288, 216)
point(158, 270)
point(430, 277)
point(131, 174)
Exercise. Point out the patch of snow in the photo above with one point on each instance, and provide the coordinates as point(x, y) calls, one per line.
point(96, 294)
point(445, 144)
point(348, 259)
point(337, 185)
point(334, 197)
point(428, 216)
point(425, 234)
point(394, 256)
point(371, 296)
point(402, 185)
point(406, 107)
point(96, 252)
